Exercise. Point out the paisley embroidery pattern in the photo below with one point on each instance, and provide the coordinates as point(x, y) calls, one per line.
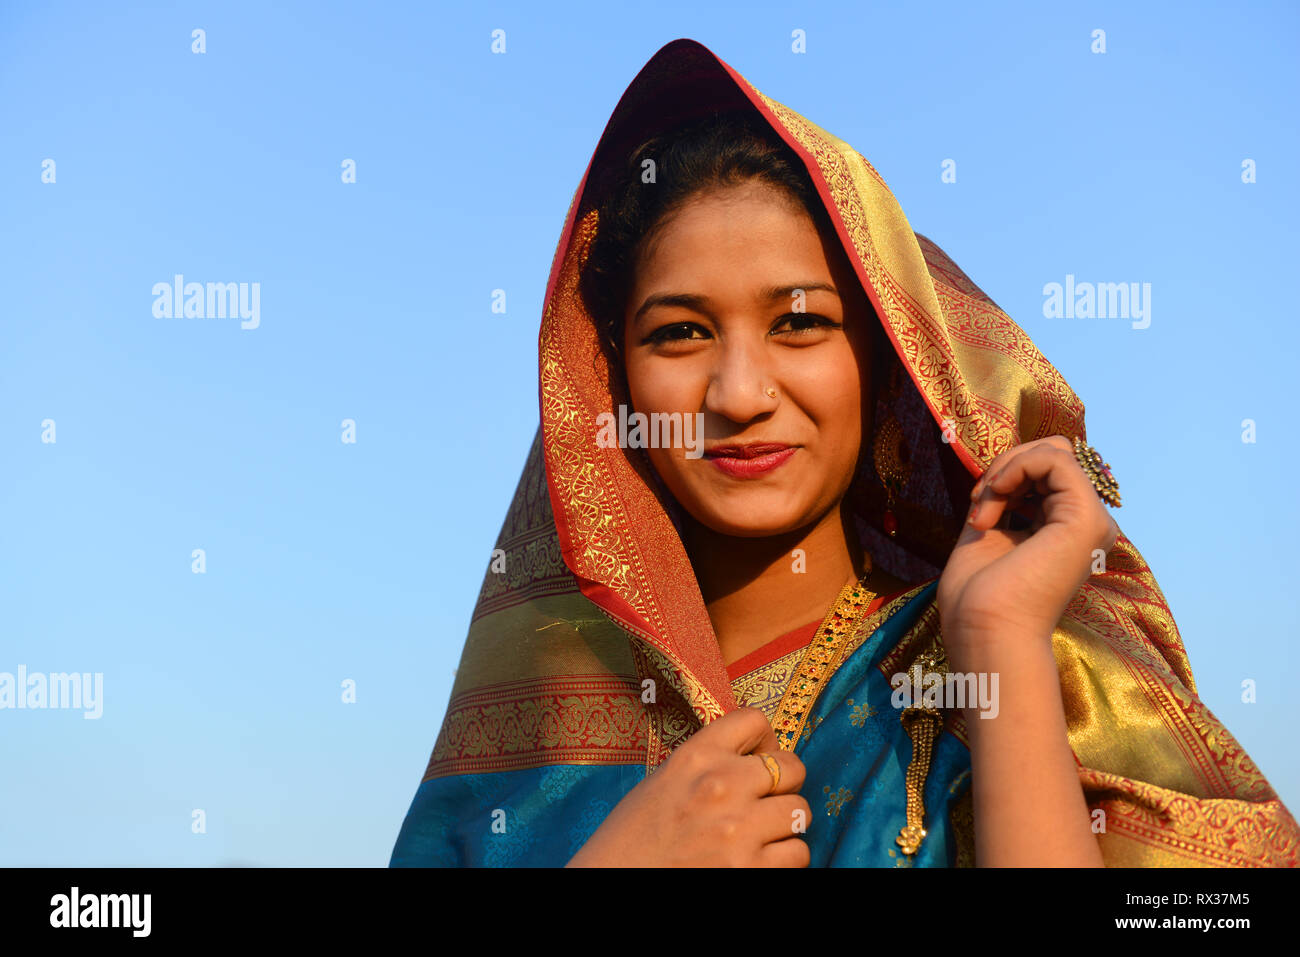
point(763, 687)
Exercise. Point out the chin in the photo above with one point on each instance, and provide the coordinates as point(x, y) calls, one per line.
point(750, 530)
point(744, 520)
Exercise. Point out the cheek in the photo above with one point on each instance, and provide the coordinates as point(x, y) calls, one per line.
point(831, 394)
point(663, 386)
point(656, 386)
point(847, 429)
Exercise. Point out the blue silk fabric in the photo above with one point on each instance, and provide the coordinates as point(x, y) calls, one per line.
point(856, 756)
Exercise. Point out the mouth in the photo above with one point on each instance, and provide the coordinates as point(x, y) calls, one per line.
point(750, 461)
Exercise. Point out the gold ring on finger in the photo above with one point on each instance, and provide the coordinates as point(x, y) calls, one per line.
point(773, 768)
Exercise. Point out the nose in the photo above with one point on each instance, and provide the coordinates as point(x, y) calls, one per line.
point(737, 383)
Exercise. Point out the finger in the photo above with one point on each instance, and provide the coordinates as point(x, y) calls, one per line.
point(1074, 520)
point(1008, 459)
point(740, 732)
point(792, 852)
point(1112, 535)
point(792, 772)
point(779, 817)
point(1023, 499)
point(770, 742)
point(1045, 469)
point(1000, 460)
point(1051, 486)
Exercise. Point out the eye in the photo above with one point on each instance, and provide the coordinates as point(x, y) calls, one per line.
point(804, 323)
point(676, 332)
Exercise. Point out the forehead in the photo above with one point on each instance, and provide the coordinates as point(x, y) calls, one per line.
point(734, 234)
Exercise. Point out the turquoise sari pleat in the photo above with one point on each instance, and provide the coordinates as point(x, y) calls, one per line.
point(855, 750)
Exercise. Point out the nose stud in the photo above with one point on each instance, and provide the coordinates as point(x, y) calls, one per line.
point(771, 392)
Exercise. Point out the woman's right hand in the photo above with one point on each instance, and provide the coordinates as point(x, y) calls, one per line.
point(709, 806)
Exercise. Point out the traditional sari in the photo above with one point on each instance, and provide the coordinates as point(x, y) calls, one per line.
point(591, 656)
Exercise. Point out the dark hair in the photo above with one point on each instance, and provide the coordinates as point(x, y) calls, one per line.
point(723, 149)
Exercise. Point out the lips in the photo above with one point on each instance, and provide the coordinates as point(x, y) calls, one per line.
point(750, 461)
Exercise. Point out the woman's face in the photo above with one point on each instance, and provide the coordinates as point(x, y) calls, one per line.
point(714, 320)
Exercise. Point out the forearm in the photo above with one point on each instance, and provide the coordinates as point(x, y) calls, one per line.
point(1028, 803)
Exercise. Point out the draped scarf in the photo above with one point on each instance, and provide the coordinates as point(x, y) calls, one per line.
point(591, 656)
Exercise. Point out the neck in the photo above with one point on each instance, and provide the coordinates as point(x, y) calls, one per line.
point(757, 589)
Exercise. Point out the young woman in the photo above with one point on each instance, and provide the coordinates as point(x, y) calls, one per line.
point(810, 563)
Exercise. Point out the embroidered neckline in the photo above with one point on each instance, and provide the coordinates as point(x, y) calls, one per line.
point(818, 662)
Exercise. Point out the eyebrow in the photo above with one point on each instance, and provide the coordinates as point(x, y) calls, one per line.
point(698, 302)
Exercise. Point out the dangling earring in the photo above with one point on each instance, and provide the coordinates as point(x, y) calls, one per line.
point(888, 453)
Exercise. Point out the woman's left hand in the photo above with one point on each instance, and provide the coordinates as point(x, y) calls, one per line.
point(1001, 581)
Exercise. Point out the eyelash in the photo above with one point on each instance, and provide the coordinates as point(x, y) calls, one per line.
point(660, 335)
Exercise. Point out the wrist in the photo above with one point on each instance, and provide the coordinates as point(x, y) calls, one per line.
point(1006, 649)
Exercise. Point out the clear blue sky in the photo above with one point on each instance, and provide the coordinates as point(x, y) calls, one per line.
point(329, 561)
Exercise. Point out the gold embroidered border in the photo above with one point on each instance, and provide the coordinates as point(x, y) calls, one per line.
point(572, 720)
point(1151, 826)
point(619, 534)
point(820, 660)
point(671, 719)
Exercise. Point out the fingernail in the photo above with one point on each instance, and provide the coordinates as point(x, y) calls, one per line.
point(970, 519)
